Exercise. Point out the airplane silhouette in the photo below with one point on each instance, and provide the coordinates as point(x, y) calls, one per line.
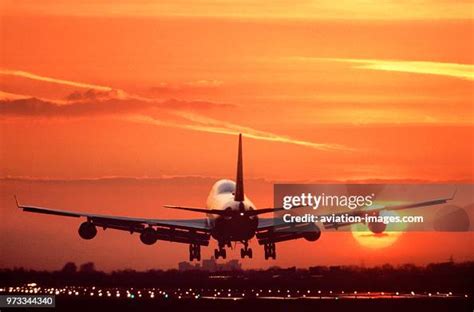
point(230, 217)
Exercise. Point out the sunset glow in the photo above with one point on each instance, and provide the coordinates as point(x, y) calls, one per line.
point(155, 94)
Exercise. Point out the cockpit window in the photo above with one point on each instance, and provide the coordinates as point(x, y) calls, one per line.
point(226, 187)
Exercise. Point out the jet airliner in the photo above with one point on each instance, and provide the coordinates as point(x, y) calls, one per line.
point(230, 216)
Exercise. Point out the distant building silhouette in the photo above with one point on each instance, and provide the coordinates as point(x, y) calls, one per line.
point(211, 265)
point(186, 266)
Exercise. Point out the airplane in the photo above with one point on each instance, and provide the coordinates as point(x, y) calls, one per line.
point(230, 217)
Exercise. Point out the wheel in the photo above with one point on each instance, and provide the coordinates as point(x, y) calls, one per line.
point(216, 254)
point(223, 254)
point(250, 253)
point(197, 252)
point(242, 253)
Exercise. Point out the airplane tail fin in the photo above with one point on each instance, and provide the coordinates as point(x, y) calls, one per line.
point(239, 189)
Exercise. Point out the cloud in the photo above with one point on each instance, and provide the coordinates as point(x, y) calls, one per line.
point(105, 101)
point(170, 113)
point(209, 125)
point(12, 96)
point(28, 75)
point(455, 70)
point(94, 103)
point(193, 88)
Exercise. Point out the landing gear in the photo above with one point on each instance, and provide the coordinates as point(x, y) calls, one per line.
point(246, 251)
point(221, 251)
point(270, 251)
point(194, 252)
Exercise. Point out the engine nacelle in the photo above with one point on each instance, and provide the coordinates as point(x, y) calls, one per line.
point(87, 230)
point(377, 227)
point(312, 236)
point(148, 236)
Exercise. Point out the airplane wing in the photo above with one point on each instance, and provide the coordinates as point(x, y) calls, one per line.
point(178, 230)
point(268, 223)
point(378, 209)
point(272, 230)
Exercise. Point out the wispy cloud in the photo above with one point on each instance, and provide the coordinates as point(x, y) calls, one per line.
point(28, 75)
point(206, 124)
point(100, 100)
point(461, 71)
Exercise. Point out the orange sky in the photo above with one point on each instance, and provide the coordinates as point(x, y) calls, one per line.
point(346, 91)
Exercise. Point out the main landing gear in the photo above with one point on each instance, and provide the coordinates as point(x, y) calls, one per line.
point(194, 252)
point(270, 251)
point(246, 251)
point(221, 251)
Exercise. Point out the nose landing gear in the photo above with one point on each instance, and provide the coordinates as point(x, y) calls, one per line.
point(270, 251)
point(246, 251)
point(194, 252)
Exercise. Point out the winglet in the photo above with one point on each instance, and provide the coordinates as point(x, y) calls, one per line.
point(239, 189)
point(454, 194)
point(16, 200)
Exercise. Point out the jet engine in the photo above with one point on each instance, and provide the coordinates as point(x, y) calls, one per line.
point(377, 227)
point(312, 236)
point(87, 230)
point(148, 236)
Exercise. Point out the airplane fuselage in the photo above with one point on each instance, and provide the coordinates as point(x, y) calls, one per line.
point(235, 225)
